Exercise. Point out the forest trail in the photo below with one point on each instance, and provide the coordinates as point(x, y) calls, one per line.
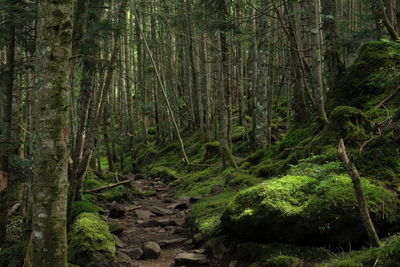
point(158, 218)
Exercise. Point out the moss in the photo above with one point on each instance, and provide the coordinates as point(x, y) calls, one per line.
point(212, 150)
point(79, 207)
point(381, 160)
point(207, 212)
point(90, 241)
point(119, 194)
point(12, 256)
point(388, 255)
point(241, 180)
point(238, 134)
point(164, 173)
point(262, 253)
point(288, 209)
point(283, 261)
point(294, 137)
point(363, 80)
point(256, 157)
point(200, 183)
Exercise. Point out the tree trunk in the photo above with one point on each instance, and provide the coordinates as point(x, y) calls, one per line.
point(48, 245)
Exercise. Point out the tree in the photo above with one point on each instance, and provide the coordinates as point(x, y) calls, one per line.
point(48, 244)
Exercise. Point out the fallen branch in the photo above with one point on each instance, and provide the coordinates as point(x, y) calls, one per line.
point(362, 203)
point(101, 188)
point(133, 208)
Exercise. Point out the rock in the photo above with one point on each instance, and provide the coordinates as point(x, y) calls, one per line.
point(134, 253)
point(124, 258)
point(161, 211)
point(151, 250)
point(161, 222)
point(168, 200)
point(116, 212)
point(199, 251)
point(171, 242)
point(190, 258)
point(116, 228)
point(144, 214)
point(288, 209)
point(118, 242)
point(179, 206)
point(91, 243)
point(233, 264)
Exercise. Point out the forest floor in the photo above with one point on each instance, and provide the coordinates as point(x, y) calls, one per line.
point(159, 218)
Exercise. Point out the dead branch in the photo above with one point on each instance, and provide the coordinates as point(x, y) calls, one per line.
point(389, 97)
point(101, 188)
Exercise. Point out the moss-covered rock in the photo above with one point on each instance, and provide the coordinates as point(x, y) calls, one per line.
point(90, 241)
point(371, 74)
point(307, 210)
point(79, 207)
point(283, 261)
point(164, 173)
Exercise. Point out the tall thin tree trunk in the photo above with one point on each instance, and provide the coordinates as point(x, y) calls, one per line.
point(48, 245)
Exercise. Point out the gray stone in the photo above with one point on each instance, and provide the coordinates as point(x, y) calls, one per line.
point(171, 242)
point(134, 253)
point(151, 250)
point(161, 211)
point(190, 258)
point(144, 214)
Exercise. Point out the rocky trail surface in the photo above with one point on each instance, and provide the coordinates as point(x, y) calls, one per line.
point(155, 230)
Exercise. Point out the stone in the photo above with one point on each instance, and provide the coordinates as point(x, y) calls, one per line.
point(118, 242)
point(134, 253)
point(171, 242)
point(116, 212)
point(194, 200)
point(144, 214)
point(179, 206)
point(190, 258)
point(124, 258)
point(161, 211)
point(151, 250)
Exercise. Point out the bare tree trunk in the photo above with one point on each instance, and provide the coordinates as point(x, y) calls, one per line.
point(48, 246)
point(362, 203)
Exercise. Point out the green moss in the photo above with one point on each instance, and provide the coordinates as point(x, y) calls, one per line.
point(199, 183)
point(288, 209)
point(283, 261)
point(79, 207)
point(238, 134)
point(115, 227)
point(241, 180)
point(262, 253)
point(207, 212)
point(119, 193)
point(212, 150)
point(12, 256)
point(256, 157)
point(368, 76)
point(90, 241)
point(166, 174)
point(294, 137)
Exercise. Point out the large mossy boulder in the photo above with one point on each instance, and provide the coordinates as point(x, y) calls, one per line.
point(90, 241)
point(374, 71)
point(309, 211)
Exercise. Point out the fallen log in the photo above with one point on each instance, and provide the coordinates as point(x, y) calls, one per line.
point(101, 188)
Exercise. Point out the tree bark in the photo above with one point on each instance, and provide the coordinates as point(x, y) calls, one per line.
point(362, 203)
point(48, 246)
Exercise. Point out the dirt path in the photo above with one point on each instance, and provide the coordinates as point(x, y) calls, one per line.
point(161, 219)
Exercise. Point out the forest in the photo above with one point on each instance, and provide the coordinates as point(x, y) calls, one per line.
point(240, 133)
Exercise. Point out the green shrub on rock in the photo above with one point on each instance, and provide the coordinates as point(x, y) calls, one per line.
point(90, 241)
point(306, 210)
point(79, 207)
